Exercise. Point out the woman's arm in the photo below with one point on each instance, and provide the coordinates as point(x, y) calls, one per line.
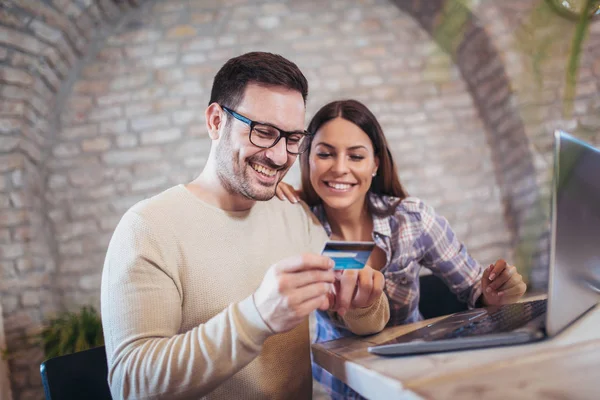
point(446, 256)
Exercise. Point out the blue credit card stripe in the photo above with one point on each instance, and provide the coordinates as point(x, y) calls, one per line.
point(348, 255)
point(347, 263)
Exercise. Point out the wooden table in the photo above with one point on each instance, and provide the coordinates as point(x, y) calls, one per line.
point(564, 367)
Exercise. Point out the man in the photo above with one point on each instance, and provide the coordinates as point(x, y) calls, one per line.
point(207, 287)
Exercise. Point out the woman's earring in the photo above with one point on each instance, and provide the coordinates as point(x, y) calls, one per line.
point(374, 174)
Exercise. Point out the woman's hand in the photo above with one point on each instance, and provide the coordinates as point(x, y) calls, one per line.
point(502, 284)
point(356, 288)
point(286, 191)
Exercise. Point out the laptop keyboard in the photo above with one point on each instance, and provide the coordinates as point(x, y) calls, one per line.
point(506, 318)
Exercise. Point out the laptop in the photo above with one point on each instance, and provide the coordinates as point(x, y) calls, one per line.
point(574, 270)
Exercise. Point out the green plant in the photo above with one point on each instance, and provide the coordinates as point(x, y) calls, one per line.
point(71, 332)
point(590, 7)
point(537, 36)
point(66, 333)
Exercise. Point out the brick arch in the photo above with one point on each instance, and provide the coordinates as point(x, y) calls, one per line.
point(41, 45)
point(47, 41)
point(474, 53)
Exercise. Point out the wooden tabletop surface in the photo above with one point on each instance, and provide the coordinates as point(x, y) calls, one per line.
point(564, 367)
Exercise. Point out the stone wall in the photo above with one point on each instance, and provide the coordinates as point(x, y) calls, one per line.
point(102, 102)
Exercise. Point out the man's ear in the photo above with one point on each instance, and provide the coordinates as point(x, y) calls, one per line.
point(214, 120)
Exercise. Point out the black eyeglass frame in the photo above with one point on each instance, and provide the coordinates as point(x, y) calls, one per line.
point(282, 133)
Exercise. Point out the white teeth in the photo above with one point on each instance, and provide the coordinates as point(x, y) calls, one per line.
point(339, 186)
point(264, 170)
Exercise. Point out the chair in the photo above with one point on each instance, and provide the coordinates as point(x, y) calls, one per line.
point(437, 299)
point(81, 375)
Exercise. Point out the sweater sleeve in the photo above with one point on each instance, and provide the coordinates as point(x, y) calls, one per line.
point(141, 296)
point(368, 320)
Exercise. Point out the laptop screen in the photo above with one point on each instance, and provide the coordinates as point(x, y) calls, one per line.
point(574, 285)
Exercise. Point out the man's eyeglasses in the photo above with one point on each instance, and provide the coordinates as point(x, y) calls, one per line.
point(266, 136)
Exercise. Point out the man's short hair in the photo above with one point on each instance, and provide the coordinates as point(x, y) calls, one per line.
point(256, 67)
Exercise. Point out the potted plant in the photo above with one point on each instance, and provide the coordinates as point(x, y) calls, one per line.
point(66, 333)
point(71, 332)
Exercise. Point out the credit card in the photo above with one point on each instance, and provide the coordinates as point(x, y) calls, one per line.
point(348, 255)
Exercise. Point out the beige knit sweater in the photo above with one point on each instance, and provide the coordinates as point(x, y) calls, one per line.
point(177, 308)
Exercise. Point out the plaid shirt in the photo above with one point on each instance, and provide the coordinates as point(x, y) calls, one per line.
point(412, 236)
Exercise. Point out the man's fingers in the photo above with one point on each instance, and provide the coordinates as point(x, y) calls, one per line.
point(333, 302)
point(311, 305)
point(305, 262)
point(326, 303)
point(303, 278)
point(330, 300)
point(308, 292)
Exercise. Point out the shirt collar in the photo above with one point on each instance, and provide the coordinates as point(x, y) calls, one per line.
point(379, 206)
point(380, 210)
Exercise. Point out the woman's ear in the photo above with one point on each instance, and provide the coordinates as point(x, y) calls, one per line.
point(214, 120)
point(376, 166)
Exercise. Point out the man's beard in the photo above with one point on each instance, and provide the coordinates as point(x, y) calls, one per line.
point(235, 176)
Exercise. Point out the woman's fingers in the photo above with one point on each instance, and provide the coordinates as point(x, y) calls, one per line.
point(514, 287)
point(364, 288)
point(502, 278)
point(279, 192)
point(499, 266)
point(290, 193)
point(287, 192)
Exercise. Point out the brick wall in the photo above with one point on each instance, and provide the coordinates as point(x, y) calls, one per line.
point(5, 392)
point(41, 43)
point(534, 45)
point(460, 33)
point(133, 124)
point(102, 105)
point(513, 57)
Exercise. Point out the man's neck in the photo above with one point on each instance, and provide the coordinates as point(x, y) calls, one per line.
point(208, 188)
point(352, 224)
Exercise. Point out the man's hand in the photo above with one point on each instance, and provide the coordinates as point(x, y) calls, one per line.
point(502, 284)
point(357, 289)
point(292, 289)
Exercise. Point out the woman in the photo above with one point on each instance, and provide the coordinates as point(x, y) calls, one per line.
point(350, 182)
